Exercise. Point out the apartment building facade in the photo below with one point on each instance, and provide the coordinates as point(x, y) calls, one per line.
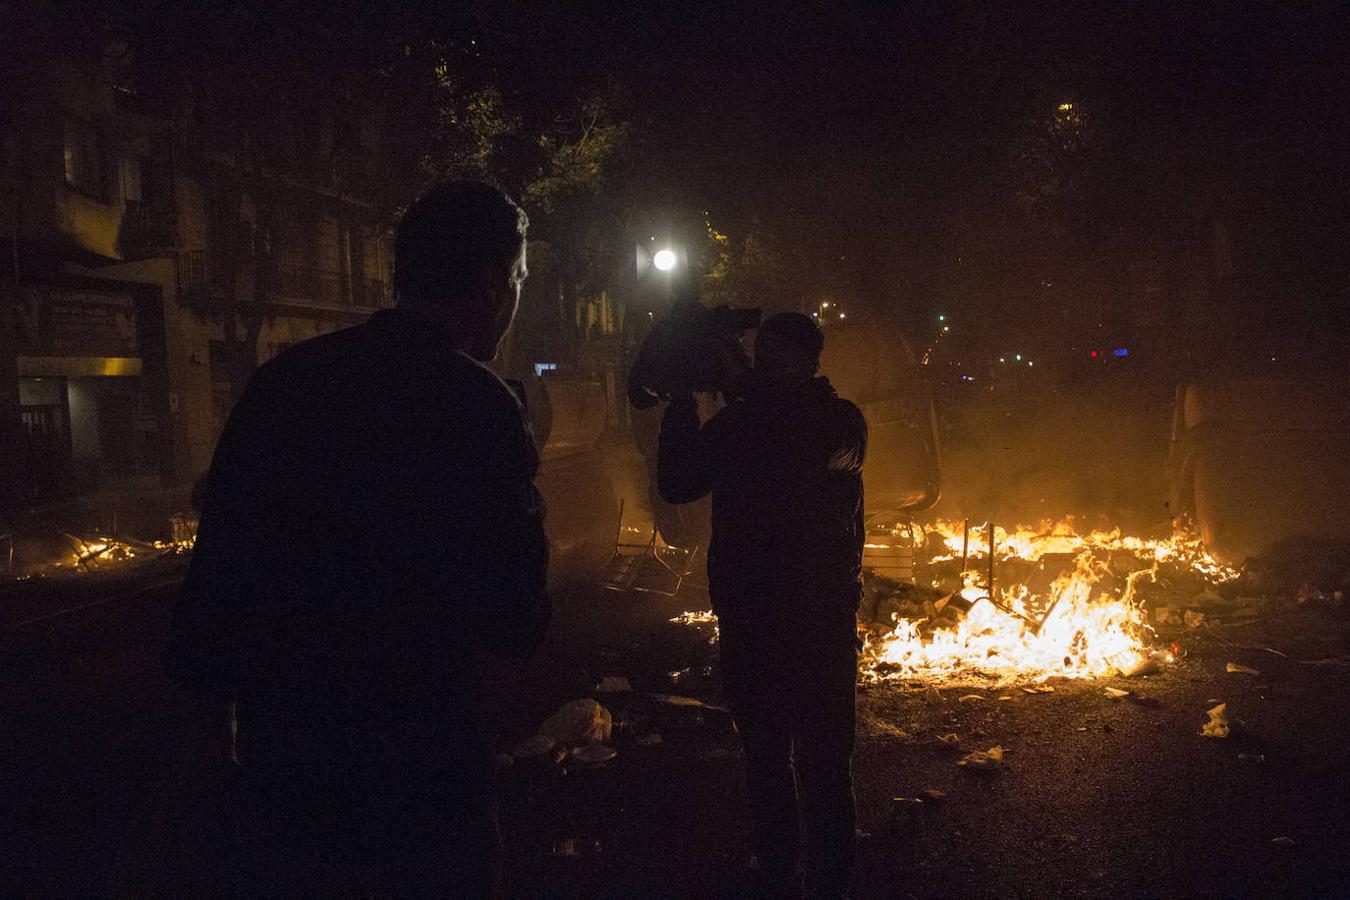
point(158, 250)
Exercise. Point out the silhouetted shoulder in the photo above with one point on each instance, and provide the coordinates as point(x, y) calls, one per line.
point(848, 413)
point(394, 352)
point(849, 436)
point(480, 378)
point(345, 343)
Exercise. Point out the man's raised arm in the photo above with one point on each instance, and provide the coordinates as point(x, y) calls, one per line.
point(691, 457)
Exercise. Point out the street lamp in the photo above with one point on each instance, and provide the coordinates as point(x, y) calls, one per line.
point(664, 260)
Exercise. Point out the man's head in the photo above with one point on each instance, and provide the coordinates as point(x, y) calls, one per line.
point(460, 254)
point(787, 348)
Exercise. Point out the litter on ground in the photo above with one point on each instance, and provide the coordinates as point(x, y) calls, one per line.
point(982, 760)
point(1217, 726)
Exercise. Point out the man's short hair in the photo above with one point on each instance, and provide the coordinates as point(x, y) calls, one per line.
point(797, 329)
point(449, 235)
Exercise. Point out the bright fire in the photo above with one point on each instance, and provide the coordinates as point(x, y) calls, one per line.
point(1067, 604)
point(1086, 622)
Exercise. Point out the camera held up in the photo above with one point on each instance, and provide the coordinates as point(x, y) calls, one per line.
point(685, 351)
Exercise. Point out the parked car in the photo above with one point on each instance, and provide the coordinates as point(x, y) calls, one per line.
point(1259, 461)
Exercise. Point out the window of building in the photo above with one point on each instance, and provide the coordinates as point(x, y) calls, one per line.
point(129, 173)
point(9, 141)
point(349, 153)
point(349, 150)
point(83, 157)
point(222, 402)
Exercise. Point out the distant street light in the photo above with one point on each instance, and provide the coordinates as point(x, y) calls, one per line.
point(664, 260)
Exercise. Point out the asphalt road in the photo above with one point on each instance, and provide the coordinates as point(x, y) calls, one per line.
point(1096, 797)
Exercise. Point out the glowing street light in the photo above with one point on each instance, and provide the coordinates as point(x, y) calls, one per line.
point(664, 260)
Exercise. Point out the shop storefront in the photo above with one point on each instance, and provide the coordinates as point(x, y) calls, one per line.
point(91, 387)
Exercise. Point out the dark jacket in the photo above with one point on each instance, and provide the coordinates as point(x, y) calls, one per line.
point(784, 466)
point(369, 518)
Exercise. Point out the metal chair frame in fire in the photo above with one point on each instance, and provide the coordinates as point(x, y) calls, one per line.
point(630, 559)
point(990, 594)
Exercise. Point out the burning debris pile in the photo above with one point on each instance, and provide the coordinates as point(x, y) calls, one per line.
point(42, 552)
point(1062, 603)
point(37, 552)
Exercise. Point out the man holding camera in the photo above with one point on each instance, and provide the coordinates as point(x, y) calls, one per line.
point(784, 466)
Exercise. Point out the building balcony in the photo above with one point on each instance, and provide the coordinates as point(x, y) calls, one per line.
point(147, 230)
point(306, 284)
point(374, 292)
point(321, 287)
point(199, 282)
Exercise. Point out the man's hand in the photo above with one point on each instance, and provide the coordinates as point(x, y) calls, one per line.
point(734, 369)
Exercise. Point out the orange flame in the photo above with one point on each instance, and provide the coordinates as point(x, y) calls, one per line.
point(1089, 625)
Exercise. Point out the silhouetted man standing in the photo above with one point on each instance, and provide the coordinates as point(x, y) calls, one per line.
point(369, 519)
point(784, 466)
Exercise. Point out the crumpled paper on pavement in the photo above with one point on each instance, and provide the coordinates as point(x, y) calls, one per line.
point(982, 760)
point(1218, 725)
point(578, 723)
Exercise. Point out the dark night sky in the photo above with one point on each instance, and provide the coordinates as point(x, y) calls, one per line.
point(801, 92)
point(853, 127)
point(874, 140)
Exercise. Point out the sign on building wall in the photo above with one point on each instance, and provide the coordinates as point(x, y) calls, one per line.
point(57, 321)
